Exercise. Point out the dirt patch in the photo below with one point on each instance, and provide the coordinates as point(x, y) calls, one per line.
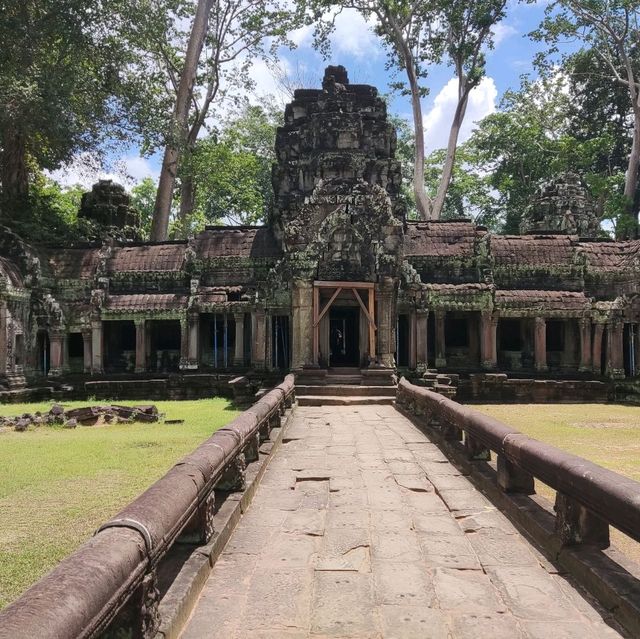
point(611, 425)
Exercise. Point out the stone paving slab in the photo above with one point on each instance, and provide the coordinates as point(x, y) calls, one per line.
point(363, 529)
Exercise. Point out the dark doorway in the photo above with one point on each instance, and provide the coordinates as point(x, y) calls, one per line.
point(119, 345)
point(402, 353)
point(75, 352)
point(344, 336)
point(280, 341)
point(43, 350)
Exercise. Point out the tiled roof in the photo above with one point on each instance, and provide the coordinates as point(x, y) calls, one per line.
point(458, 289)
point(147, 302)
point(440, 239)
point(148, 257)
point(531, 250)
point(241, 241)
point(610, 256)
point(72, 263)
point(552, 300)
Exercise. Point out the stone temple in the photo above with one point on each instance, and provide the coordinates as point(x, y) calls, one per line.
point(338, 278)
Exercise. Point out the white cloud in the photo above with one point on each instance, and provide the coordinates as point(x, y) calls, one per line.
point(353, 35)
point(502, 31)
point(85, 170)
point(437, 121)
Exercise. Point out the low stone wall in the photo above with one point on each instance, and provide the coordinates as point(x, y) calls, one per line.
point(589, 498)
point(111, 585)
point(499, 388)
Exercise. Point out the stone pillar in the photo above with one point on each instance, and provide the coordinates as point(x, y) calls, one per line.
point(86, 350)
point(636, 344)
point(141, 345)
point(488, 347)
point(540, 344)
point(441, 347)
point(97, 346)
point(4, 329)
point(585, 345)
point(258, 350)
point(238, 355)
point(55, 348)
point(422, 338)
point(615, 352)
point(193, 348)
point(386, 322)
point(596, 349)
point(184, 343)
point(302, 324)
point(413, 345)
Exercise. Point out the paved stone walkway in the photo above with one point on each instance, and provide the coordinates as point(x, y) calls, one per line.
point(362, 528)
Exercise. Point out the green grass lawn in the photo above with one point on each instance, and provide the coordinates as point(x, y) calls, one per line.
point(607, 434)
point(58, 485)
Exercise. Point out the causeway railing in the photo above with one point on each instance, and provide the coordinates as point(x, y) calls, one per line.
point(589, 497)
point(114, 576)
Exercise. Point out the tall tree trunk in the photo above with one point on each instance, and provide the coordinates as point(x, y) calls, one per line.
point(452, 145)
point(628, 230)
point(13, 167)
point(160, 223)
point(187, 201)
point(423, 203)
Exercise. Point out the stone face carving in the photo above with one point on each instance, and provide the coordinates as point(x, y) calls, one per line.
point(562, 206)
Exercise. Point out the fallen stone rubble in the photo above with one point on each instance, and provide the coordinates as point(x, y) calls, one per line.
point(84, 416)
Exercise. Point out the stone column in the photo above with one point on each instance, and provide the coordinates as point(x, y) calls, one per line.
point(441, 347)
point(97, 345)
point(488, 348)
point(86, 350)
point(596, 349)
point(258, 350)
point(585, 344)
point(193, 349)
point(413, 327)
point(184, 343)
point(238, 355)
point(422, 338)
point(636, 343)
point(540, 344)
point(141, 345)
point(386, 322)
point(4, 329)
point(302, 324)
point(615, 352)
point(55, 348)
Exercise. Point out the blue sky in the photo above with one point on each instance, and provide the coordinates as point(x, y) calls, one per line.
point(359, 50)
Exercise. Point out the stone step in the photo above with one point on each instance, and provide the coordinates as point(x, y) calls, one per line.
point(353, 380)
point(346, 390)
point(334, 400)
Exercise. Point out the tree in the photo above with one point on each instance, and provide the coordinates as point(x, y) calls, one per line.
point(610, 29)
point(232, 169)
point(143, 198)
point(232, 34)
point(417, 34)
point(60, 88)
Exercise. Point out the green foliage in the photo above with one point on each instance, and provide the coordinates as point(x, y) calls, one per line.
point(232, 170)
point(60, 80)
point(143, 198)
point(470, 193)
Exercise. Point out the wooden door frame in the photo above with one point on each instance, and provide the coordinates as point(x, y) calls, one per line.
point(319, 313)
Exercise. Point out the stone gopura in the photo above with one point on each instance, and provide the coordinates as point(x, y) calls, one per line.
point(337, 278)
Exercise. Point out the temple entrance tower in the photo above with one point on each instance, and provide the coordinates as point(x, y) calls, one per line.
point(340, 223)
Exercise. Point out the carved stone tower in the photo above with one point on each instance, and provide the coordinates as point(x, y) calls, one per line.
point(562, 206)
point(337, 212)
